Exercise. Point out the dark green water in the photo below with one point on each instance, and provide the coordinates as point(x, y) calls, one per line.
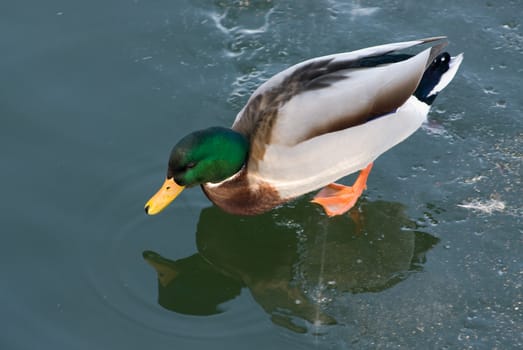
point(94, 94)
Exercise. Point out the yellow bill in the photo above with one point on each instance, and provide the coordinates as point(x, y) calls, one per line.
point(165, 195)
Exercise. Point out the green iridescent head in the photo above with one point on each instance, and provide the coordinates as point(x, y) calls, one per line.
point(209, 155)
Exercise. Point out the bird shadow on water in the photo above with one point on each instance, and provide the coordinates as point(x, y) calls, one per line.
point(294, 261)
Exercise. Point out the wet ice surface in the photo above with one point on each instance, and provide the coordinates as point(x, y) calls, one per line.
point(432, 255)
point(463, 179)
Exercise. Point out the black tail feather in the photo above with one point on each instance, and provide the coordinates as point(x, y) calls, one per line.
point(431, 78)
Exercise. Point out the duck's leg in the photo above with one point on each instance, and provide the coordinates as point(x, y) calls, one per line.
point(337, 199)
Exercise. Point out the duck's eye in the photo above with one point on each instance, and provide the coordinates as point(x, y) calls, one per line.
point(190, 165)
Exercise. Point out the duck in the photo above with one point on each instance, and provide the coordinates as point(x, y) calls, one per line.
point(309, 126)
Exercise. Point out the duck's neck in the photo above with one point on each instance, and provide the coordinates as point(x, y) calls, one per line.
point(239, 195)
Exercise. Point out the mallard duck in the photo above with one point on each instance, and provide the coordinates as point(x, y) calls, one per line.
point(310, 125)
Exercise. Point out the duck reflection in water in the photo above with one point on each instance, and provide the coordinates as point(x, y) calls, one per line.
point(290, 260)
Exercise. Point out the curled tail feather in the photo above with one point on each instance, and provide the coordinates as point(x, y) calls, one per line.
point(437, 76)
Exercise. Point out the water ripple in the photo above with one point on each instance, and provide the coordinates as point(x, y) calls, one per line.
point(123, 284)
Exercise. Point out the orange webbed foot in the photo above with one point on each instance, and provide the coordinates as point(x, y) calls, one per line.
point(337, 199)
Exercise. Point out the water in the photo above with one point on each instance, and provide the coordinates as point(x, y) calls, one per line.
point(94, 94)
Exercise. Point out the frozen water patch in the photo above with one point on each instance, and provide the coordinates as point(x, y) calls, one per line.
point(357, 11)
point(221, 20)
point(354, 10)
point(436, 129)
point(244, 86)
point(485, 206)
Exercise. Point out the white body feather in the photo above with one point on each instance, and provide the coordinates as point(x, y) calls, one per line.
point(295, 164)
point(292, 172)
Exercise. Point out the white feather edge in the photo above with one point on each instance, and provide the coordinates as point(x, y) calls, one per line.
point(447, 77)
point(310, 165)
